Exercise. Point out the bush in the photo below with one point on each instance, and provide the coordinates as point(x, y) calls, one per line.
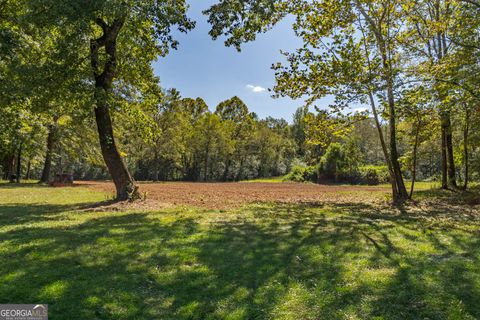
point(370, 177)
point(302, 174)
point(332, 163)
point(373, 175)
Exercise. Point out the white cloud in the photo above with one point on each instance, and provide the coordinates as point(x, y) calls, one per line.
point(256, 89)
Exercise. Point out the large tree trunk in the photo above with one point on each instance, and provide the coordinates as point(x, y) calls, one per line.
point(124, 183)
point(47, 166)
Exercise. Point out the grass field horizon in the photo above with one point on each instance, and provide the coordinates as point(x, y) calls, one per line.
point(258, 261)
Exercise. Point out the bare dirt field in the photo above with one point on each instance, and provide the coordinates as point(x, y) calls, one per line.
point(231, 195)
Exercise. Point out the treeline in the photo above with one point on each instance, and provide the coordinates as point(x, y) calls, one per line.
point(179, 139)
point(230, 144)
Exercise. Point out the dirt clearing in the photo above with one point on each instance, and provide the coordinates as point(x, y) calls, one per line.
point(231, 195)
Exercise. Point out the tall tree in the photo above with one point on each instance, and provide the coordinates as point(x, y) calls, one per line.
point(331, 60)
point(120, 39)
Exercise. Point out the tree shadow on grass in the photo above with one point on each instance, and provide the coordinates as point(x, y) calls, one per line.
point(292, 262)
point(21, 213)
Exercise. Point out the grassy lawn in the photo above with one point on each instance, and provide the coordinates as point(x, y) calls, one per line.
point(347, 261)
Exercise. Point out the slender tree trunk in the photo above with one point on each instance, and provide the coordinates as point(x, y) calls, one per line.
point(124, 183)
point(465, 146)
point(452, 181)
point(382, 143)
point(444, 160)
point(414, 160)
point(401, 192)
point(397, 172)
point(19, 164)
point(448, 163)
point(47, 166)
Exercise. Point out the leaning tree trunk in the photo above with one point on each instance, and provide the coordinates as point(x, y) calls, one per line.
point(47, 166)
point(397, 172)
point(382, 143)
point(124, 183)
point(399, 191)
point(414, 160)
point(401, 194)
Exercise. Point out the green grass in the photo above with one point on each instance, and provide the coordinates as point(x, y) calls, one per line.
point(348, 261)
point(267, 180)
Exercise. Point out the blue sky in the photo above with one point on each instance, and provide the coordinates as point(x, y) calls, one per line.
point(205, 68)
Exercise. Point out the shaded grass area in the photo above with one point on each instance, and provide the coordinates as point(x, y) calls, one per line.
point(343, 261)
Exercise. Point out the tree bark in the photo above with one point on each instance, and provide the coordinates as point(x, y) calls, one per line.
point(47, 166)
point(124, 183)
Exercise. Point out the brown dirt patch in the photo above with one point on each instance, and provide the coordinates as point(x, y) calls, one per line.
point(231, 195)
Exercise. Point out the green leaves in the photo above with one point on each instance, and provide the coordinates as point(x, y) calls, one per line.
point(241, 20)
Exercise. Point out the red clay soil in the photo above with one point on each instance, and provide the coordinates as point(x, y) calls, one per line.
point(231, 195)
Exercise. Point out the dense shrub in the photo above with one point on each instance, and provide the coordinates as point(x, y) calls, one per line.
point(332, 165)
point(370, 177)
point(301, 173)
point(374, 174)
point(339, 165)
